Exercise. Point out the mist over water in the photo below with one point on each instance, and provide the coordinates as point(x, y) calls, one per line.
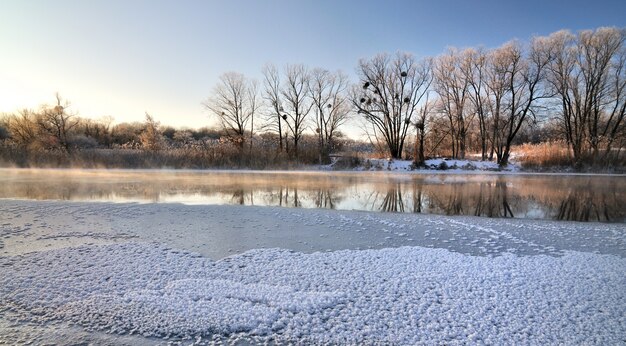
point(568, 197)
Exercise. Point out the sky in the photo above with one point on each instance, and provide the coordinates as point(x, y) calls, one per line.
point(122, 58)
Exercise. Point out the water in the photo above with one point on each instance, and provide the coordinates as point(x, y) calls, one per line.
point(567, 197)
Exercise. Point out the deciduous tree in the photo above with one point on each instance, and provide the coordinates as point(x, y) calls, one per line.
point(298, 104)
point(331, 107)
point(588, 75)
point(234, 103)
point(389, 95)
point(57, 122)
point(452, 84)
point(272, 96)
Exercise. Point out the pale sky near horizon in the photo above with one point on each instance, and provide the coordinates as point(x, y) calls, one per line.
point(123, 58)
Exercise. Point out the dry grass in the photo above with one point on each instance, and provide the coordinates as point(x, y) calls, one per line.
point(543, 155)
point(221, 155)
point(557, 156)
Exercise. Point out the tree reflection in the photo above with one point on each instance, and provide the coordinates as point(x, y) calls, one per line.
point(587, 205)
point(577, 198)
point(393, 200)
point(325, 198)
point(286, 200)
point(454, 206)
point(417, 197)
point(487, 198)
point(493, 201)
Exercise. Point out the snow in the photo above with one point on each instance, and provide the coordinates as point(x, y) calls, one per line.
point(436, 164)
point(408, 295)
point(159, 273)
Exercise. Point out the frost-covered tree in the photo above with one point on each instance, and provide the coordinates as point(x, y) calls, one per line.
point(22, 128)
point(56, 122)
point(151, 137)
point(234, 102)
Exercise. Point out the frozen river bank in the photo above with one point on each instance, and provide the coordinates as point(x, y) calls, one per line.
point(104, 271)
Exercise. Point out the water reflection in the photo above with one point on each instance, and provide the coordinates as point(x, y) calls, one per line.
point(393, 201)
point(589, 205)
point(326, 199)
point(493, 201)
point(580, 198)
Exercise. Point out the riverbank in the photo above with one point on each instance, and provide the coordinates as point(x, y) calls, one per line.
point(212, 159)
point(156, 273)
point(467, 166)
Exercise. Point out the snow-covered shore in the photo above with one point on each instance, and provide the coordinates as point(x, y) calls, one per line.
point(430, 165)
point(457, 166)
point(166, 272)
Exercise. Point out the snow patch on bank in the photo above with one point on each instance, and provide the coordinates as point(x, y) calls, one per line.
point(437, 164)
point(408, 295)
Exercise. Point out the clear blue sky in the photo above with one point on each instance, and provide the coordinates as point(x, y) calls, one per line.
point(122, 58)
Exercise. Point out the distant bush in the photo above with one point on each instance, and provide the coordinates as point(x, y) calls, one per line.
point(83, 142)
point(4, 132)
point(347, 162)
point(469, 167)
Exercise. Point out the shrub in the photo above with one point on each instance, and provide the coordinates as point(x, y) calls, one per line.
point(348, 162)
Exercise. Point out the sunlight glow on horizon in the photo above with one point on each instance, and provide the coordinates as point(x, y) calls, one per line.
point(31, 89)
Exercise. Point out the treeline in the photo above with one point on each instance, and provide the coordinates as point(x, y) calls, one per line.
point(53, 136)
point(565, 89)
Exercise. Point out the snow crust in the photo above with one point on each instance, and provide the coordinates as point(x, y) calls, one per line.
point(408, 295)
point(145, 274)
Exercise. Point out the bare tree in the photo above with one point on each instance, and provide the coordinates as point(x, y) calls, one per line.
point(297, 103)
point(522, 74)
point(22, 127)
point(475, 71)
point(496, 85)
point(272, 95)
point(330, 104)
point(57, 122)
point(421, 124)
point(255, 104)
point(389, 95)
point(588, 73)
point(233, 104)
point(99, 130)
point(452, 84)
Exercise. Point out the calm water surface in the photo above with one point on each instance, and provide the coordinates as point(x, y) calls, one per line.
point(567, 197)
